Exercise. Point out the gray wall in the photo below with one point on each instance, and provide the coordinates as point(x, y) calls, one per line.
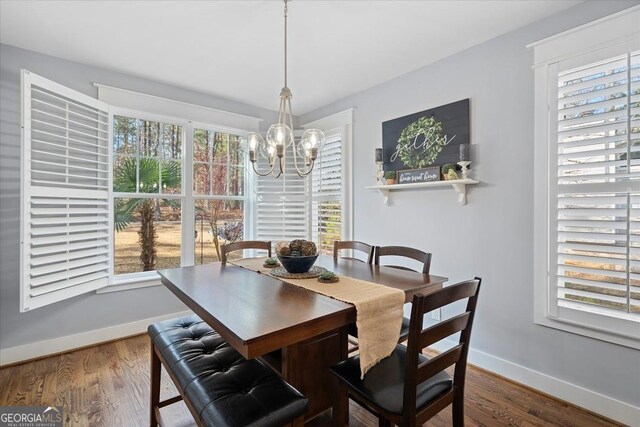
point(492, 236)
point(90, 311)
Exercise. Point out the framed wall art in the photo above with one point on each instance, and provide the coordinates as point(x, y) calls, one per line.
point(429, 138)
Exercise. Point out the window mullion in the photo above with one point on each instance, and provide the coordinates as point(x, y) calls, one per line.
point(188, 204)
point(629, 113)
point(111, 229)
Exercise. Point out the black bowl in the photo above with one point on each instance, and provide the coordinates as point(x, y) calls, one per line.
point(297, 264)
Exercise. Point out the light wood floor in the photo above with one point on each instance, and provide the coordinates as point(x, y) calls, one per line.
point(108, 385)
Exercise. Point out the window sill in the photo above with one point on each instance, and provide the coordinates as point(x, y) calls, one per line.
point(129, 283)
point(581, 329)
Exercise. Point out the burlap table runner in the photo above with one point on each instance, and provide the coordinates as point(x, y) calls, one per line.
point(378, 310)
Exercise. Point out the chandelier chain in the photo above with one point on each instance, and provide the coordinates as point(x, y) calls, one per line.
point(285, 42)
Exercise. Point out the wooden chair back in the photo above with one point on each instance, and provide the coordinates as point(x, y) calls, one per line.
point(420, 338)
point(246, 244)
point(354, 245)
point(406, 252)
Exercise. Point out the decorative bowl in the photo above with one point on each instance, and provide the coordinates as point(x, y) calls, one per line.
point(297, 264)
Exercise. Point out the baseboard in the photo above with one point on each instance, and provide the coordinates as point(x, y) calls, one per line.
point(36, 350)
point(579, 396)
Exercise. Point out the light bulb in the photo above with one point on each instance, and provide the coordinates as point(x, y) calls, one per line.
point(254, 140)
point(279, 134)
point(312, 139)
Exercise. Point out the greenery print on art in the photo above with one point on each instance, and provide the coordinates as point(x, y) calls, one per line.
point(420, 143)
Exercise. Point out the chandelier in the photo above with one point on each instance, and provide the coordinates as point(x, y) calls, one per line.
point(280, 135)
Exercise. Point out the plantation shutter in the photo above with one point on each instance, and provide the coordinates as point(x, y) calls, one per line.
point(326, 195)
point(597, 184)
point(66, 220)
point(281, 203)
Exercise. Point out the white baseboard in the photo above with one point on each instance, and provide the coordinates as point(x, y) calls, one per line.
point(71, 342)
point(611, 408)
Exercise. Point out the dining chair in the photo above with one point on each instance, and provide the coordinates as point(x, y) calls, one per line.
point(338, 245)
point(246, 244)
point(368, 250)
point(405, 252)
point(407, 388)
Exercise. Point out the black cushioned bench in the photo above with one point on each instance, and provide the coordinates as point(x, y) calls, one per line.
point(220, 387)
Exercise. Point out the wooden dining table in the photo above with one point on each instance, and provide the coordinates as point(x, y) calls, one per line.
point(298, 332)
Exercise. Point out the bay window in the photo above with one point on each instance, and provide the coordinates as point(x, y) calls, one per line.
point(112, 194)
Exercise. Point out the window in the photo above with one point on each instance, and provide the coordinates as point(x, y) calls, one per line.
point(147, 185)
point(326, 195)
point(149, 195)
point(316, 207)
point(218, 188)
point(282, 204)
point(588, 181)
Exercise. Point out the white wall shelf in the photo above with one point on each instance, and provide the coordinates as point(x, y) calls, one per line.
point(460, 185)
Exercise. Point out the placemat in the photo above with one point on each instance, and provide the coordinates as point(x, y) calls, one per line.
point(313, 272)
point(378, 310)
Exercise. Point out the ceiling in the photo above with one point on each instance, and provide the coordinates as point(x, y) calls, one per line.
point(234, 49)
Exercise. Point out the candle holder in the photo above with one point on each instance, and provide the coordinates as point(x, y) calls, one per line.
point(380, 174)
point(464, 164)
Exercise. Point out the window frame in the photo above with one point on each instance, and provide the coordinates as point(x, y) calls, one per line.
point(187, 196)
point(576, 47)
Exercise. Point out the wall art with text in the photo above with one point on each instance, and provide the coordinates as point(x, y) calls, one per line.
point(430, 137)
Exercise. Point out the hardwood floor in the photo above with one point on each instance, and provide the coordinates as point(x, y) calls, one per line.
point(108, 385)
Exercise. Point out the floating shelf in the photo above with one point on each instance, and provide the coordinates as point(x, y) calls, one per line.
point(460, 185)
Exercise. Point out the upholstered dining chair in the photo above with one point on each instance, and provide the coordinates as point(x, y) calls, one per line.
point(247, 244)
point(339, 245)
point(407, 388)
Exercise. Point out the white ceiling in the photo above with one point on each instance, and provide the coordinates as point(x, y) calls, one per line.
point(234, 49)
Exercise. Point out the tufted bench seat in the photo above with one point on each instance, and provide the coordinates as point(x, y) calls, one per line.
point(219, 386)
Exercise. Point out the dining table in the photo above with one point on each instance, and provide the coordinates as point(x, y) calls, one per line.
point(297, 332)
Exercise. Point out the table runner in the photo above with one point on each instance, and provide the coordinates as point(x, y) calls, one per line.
point(378, 310)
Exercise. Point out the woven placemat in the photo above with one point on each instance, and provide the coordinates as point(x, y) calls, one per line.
point(315, 271)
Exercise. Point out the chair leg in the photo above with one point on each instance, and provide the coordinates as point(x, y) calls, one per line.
point(458, 409)
point(383, 422)
point(340, 412)
point(155, 386)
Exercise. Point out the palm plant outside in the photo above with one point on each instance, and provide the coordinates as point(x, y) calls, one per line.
point(147, 176)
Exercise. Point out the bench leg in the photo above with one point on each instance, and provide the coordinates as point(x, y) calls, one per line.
point(155, 386)
point(298, 422)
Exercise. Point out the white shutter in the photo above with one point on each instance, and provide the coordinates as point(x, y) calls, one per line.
point(326, 195)
point(598, 188)
point(66, 222)
point(282, 208)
